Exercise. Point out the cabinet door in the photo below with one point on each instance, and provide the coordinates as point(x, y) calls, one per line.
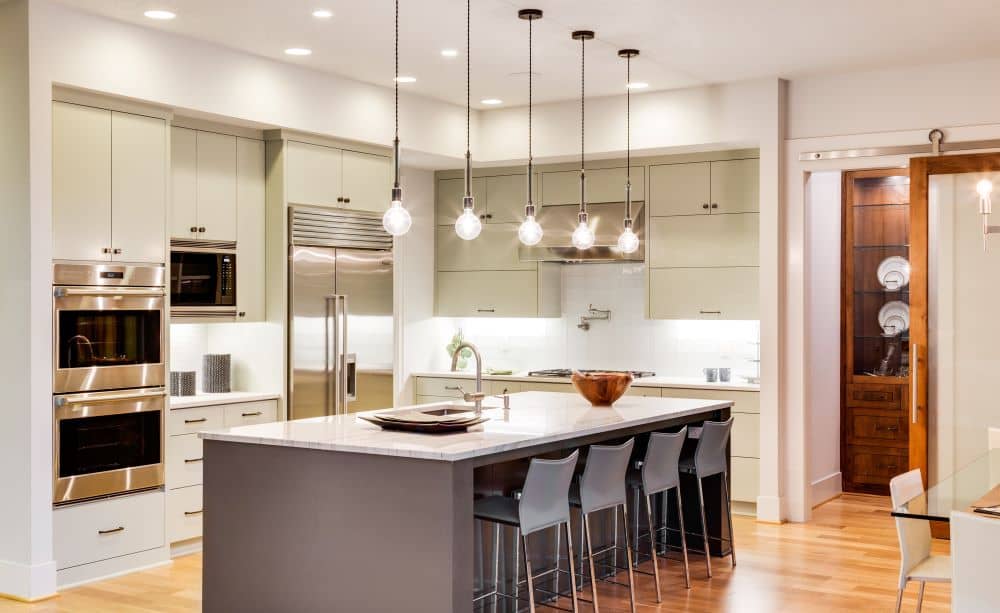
point(704, 240)
point(138, 188)
point(184, 183)
point(506, 196)
point(487, 294)
point(680, 189)
point(81, 182)
point(217, 186)
point(736, 186)
point(367, 181)
point(745, 479)
point(449, 199)
point(495, 249)
point(704, 293)
point(603, 185)
point(560, 187)
point(250, 233)
point(313, 174)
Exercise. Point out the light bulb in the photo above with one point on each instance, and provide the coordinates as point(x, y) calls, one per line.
point(583, 236)
point(985, 188)
point(628, 242)
point(530, 231)
point(468, 226)
point(396, 220)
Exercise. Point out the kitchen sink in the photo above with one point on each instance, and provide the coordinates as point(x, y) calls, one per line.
point(448, 410)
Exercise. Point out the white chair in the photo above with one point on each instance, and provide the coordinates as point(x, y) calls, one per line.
point(994, 438)
point(975, 541)
point(917, 563)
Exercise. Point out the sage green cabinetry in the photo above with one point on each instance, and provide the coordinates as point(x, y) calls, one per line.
point(320, 175)
point(703, 243)
point(603, 185)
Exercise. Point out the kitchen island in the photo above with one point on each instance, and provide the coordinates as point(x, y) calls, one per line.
point(334, 514)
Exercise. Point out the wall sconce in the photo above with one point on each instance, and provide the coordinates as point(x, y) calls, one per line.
point(985, 189)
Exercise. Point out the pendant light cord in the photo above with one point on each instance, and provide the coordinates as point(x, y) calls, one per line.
point(468, 98)
point(583, 123)
point(530, 209)
point(628, 138)
point(395, 141)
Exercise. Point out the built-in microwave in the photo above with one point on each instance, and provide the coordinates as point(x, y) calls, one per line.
point(202, 279)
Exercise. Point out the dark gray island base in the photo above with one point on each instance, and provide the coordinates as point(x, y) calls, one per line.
point(332, 514)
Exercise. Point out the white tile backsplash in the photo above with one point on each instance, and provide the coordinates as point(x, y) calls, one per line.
point(627, 341)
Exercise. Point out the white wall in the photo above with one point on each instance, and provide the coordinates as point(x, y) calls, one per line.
point(252, 346)
point(823, 366)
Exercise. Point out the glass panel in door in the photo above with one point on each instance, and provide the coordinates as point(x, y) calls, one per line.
point(90, 338)
point(963, 323)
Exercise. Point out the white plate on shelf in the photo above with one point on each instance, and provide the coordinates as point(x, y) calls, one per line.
point(894, 318)
point(894, 273)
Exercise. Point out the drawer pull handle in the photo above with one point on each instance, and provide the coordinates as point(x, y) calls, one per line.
point(254, 414)
point(193, 460)
point(196, 421)
point(112, 531)
point(453, 388)
point(710, 312)
point(486, 310)
point(892, 428)
point(190, 513)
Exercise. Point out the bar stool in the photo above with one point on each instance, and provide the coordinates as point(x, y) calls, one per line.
point(544, 503)
point(601, 487)
point(659, 473)
point(709, 459)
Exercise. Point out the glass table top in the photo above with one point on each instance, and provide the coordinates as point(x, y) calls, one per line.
point(957, 492)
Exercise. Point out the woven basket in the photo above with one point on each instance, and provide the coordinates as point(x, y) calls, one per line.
point(216, 373)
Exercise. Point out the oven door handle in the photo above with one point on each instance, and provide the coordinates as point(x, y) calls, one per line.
point(61, 401)
point(152, 292)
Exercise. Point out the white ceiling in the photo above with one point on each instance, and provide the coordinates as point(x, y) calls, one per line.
point(683, 42)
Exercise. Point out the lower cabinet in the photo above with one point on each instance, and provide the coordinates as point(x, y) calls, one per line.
point(185, 459)
point(103, 529)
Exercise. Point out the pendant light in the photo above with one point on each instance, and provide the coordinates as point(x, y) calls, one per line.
point(583, 236)
point(397, 220)
point(530, 232)
point(628, 242)
point(468, 226)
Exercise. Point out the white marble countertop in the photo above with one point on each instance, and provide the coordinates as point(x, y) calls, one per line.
point(535, 418)
point(203, 400)
point(673, 382)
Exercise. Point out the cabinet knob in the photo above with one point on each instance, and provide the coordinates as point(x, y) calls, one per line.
point(489, 216)
point(106, 250)
point(116, 251)
point(241, 314)
point(705, 206)
point(194, 228)
point(201, 229)
point(347, 200)
point(715, 205)
point(340, 198)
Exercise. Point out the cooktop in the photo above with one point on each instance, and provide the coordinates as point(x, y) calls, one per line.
point(567, 372)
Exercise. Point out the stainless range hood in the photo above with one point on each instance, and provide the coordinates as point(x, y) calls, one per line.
point(559, 221)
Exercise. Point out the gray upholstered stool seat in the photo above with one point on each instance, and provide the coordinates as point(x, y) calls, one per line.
point(497, 509)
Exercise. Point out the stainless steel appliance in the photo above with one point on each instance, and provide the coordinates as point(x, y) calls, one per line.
point(567, 372)
point(202, 279)
point(108, 326)
point(606, 218)
point(108, 443)
point(340, 309)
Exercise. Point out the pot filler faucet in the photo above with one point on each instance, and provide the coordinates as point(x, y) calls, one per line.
point(466, 396)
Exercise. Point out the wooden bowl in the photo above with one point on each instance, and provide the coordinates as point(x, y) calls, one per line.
point(602, 389)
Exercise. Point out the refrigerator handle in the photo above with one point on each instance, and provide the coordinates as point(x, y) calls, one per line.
point(342, 356)
point(332, 354)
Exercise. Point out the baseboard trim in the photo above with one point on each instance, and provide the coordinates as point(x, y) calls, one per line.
point(27, 583)
point(184, 548)
point(769, 509)
point(825, 489)
point(113, 567)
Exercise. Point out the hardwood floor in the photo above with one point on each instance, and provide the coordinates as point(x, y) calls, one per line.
point(845, 559)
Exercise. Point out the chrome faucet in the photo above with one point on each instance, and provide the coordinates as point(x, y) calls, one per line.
point(466, 396)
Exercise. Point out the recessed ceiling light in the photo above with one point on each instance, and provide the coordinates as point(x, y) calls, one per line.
point(322, 14)
point(449, 52)
point(298, 51)
point(492, 101)
point(402, 79)
point(637, 85)
point(160, 14)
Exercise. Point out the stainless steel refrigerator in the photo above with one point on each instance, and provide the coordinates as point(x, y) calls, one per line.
point(340, 313)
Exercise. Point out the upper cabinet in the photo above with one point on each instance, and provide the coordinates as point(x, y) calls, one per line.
point(326, 176)
point(702, 188)
point(204, 180)
point(109, 185)
point(449, 199)
point(251, 247)
point(603, 185)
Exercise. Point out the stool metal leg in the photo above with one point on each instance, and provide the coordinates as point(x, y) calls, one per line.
point(496, 567)
point(527, 574)
point(628, 557)
point(590, 558)
point(579, 557)
point(684, 545)
point(572, 569)
point(665, 548)
point(704, 527)
point(729, 517)
point(635, 524)
point(557, 562)
point(652, 548)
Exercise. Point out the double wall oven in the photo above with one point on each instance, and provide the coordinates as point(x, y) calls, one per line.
point(108, 378)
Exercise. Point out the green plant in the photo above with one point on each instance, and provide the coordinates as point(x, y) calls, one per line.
point(464, 355)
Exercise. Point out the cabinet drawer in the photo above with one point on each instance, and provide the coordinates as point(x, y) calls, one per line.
point(184, 460)
point(194, 420)
point(566, 388)
point(874, 466)
point(94, 531)
point(246, 413)
point(498, 387)
point(743, 402)
point(745, 478)
point(881, 429)
point(649, 392)
point(746, 435)
point(184, 513)
point(444, 388)
point(873, 396)
point(704, 293)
